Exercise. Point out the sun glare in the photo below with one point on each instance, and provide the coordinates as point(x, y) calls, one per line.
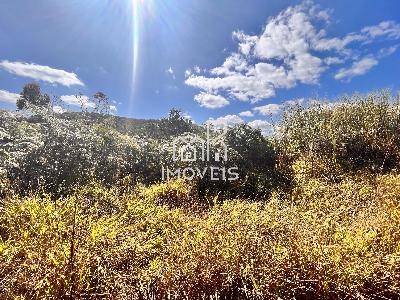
point(135, 6)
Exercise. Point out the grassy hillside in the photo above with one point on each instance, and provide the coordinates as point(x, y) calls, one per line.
point(315, 213)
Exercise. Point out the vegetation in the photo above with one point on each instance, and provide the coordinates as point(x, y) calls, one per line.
point(32, 95)
point(315, 213)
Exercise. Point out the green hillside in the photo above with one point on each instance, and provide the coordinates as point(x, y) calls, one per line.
point(313, 214)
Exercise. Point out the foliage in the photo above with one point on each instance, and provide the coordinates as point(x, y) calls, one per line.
point(255, 157)
point(326, 241)
point(175, 124)
point(32, 95)
point(359, 132)
point(84, 216)
point(65, 150)
point(59, 153)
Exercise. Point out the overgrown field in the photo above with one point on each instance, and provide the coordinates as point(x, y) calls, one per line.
point(333, 241)
point(315, 213)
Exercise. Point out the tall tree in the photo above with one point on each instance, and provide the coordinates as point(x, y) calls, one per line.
point(102, 103)
point(32, 95)
point(175, 123)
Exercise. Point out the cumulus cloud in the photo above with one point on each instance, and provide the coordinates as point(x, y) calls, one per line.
point(358, 68)
point(8, 97)
point(241, 87)
point(292, 49)
point(246, 113)
point(194, 70)
point(78, 100)
point(229, 120)
point(43, 73)
point(269, 109)
point(211, 101)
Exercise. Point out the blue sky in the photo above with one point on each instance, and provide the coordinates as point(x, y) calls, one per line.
point(232, 61)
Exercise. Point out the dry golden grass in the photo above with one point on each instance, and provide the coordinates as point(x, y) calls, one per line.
point(322, 241)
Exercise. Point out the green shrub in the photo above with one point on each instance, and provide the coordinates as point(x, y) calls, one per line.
point(358, 132)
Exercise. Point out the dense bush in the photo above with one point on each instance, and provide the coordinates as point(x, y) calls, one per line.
point(62, 152)
point(65, 153)
point(254, 157)
point(358, 132)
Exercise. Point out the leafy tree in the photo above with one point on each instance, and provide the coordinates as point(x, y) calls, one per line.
point(255, 157)
point(175, 124)
point(32, 95)
point(102, 103)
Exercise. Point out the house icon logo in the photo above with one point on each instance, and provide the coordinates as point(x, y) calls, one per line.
point(190, 147)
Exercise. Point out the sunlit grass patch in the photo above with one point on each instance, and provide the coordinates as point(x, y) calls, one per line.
point(324, 241)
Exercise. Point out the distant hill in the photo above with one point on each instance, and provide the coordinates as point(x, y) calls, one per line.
point(122, 124)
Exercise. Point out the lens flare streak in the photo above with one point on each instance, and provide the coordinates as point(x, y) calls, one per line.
point(135, 41)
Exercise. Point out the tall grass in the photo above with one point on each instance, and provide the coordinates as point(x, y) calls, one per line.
point(327, 241)
point(360, 132)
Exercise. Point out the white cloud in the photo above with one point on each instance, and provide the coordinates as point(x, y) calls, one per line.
point(188, 73)
point(387, 51)
point(333, 60)
point(113, 108)
point(246, 113)
point(229, 120)
point(246, 42)
point(241, 87)
point(295, 102)
point(234, 63)
point(279, 58)
point(58, 109)
point(269, 109)
point(357, 68)
point(390, 29)
point(290, 50)
point(43, 73)
point(78, 100)
point(265, 127)
point(187, 116)
point(211, 101)
point(194, 70)
point(337, 44)
point(8, 97)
